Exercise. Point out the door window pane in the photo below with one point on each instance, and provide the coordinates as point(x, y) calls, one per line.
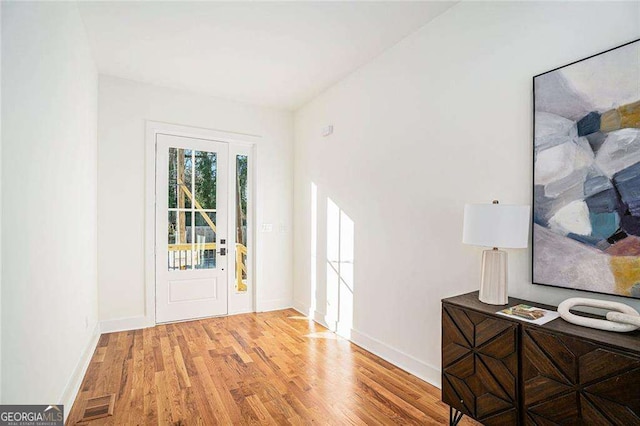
point(241, 223)
point(173, 178)
point(180, 173)
point(185, 173)
point(180, 235)
point(205, 240)
point(172, 228)
point(205, 179)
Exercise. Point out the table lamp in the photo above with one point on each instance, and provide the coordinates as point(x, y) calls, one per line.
point(495, 225)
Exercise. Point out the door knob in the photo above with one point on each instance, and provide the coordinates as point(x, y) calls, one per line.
point(222, 251)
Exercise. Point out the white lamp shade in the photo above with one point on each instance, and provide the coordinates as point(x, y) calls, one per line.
point(496, 225)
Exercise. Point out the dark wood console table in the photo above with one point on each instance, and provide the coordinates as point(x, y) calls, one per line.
point(502, 371)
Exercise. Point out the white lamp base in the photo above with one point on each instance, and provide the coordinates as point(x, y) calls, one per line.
point(493, 287)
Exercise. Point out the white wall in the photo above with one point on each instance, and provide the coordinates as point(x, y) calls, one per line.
point(123, 108)
point(0, 203)
point(49, 199)
point(441, 119)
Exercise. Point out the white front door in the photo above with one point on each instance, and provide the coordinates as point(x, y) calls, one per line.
point(191, 228)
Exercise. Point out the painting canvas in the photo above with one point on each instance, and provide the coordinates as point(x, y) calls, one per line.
point(586, 195)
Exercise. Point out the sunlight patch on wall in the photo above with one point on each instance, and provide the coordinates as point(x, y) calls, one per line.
point(340, 274)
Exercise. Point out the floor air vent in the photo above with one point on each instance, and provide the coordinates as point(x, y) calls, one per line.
point(98, 407)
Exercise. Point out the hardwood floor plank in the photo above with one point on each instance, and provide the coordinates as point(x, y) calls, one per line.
point(224, 411)
point(149, 387)
point(163, 401)
point(274, 368)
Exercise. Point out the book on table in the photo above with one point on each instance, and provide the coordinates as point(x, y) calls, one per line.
point(529, 313)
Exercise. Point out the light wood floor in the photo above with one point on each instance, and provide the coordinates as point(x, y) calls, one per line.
point(268, 368)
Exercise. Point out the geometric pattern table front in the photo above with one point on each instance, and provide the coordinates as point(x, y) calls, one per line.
point(480, 366)
point(572, 381)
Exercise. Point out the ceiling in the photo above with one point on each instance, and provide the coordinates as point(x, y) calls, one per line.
point(279, 54)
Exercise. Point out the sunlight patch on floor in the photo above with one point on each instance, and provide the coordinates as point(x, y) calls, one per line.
point(299, 317)
point(323, 335)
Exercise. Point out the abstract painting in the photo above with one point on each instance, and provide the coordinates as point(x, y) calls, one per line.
point(586, 195)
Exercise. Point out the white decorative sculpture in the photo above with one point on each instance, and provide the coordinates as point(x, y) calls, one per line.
point(623, 319)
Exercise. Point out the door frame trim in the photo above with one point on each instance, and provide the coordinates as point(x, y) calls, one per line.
point(152, 128)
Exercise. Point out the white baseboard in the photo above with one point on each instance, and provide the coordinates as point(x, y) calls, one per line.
point(240, 312)
point(302, 308)
point(75, 381)
point(141, 321)
point(124, 324)
point(398, 358)
point(325, 321)
point(273, 305)
point(314, 315)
